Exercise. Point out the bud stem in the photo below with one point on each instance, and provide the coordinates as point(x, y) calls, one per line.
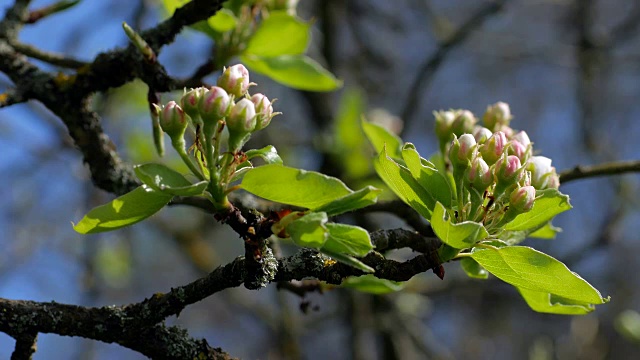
point(179, 145)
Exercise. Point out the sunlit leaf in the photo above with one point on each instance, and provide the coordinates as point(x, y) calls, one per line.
point(529, 269)
point(380, 138)
point(356, 200)
point(547, 303)
point(549, 203)
point(279, 34)
point(348, 239)
point(125, 210)
point(427, 175)
point(401, 182)
point(461, 235)
point(168, 181)
point(309, 230)
point(296, 71)
point(473, 269)
point(268, 153)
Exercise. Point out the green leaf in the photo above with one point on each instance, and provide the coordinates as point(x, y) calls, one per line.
point(307, 189)
point(296, 71)
point(350, 147)
point(380, 138)
point(473, 269)
point(348, 260)
point(529, 269)
point(427, 175)
point(459, 236)
point(125, 210)
point(548, 231)
point(372, 285)
point(348, 239)
point(549, 203)
point(267, 153)
point(224, 20)
point(279, 34)
point(399, 180)
point(547, 303)
point(356, 200)
point(168, 181)
point(309, 230)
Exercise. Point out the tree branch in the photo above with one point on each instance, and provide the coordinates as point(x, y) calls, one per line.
point(25, 346)
point(610, 168)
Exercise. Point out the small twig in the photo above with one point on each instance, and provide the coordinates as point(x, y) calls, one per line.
point(609, 168)
point(59, 6)
point(428, 70)
point(48, 57)
point(25, 346)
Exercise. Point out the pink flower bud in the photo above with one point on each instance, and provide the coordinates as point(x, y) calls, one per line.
point(543, 175)
point(522, 138)
point(190, 101)
point(264, 110)
point(462, 149)
point(214, 105)
point(235, 80)
point(522, 199)
point(479, 175)
point(493, 148)
point(173, 120)
point(481, 134)
point(508, 168)
point(519, 150)
point(497, 115)
point(242, 118)
point(463, 123)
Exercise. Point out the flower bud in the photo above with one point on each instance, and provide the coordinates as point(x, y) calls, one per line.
point(444, 119)
point(519, 150)
point(242, 118)
point(190, 101)
point(493, 148)
point(481, 134)
point(214, 105)
point(543, 175)
point(173, 120)
point(522, 199)
point(235, 80)
point(497, 115)
point(522, 138)
point(508, 169)
point(479, 175)
point(463, 123)
point(264, 110)
point(461, 151)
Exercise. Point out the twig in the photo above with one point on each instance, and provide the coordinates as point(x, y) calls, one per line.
point(610, 168)
point(25, 346)
point(428, 70)
point(48, 57)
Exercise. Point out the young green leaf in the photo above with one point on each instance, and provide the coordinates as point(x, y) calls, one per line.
point(296, 71)
point(473, 269)
point(427, 175)
point(348, 239)
point(460, 236)
point(372, 285)
point(125, 210)
point(223, 20)
point(401, 182)
point(549, 203)
point(529, 269)
point(547, 303)
point(548, 231)
point(267, 153)
point(279, 34)
point(356, 200)
point(309, 230)
point(307, 189)
point(380, 138)
point(168, 181)
point(348, 260)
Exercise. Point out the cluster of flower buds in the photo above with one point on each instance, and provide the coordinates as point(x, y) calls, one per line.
point(495, 174)
point(228, 102)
